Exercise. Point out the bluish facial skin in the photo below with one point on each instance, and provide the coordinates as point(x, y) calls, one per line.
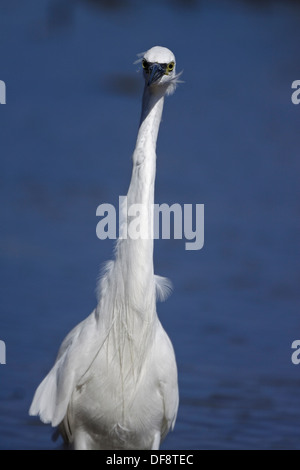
point(156, 71)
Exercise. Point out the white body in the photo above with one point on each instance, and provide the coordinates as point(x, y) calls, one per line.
point(114, 382)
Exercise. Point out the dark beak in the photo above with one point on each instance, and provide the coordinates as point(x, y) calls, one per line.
point(156, 71)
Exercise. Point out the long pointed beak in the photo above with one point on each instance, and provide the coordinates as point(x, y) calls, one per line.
point(156, 71)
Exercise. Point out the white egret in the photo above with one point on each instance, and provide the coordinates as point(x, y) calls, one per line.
point(114, 382)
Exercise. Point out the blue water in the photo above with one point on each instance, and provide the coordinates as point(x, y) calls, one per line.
point(229, 139)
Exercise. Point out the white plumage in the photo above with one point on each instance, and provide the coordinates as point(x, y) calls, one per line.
point(114, 382)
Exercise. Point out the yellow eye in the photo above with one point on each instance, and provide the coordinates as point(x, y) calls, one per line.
point(170, 66)
point(145, 64)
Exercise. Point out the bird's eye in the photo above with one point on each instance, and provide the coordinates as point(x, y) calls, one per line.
point(170, 66)
point(145, 64)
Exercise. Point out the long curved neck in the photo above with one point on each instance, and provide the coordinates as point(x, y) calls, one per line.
point(150, 119)
point(141, 189)
point(137, 251)
point(127, 290)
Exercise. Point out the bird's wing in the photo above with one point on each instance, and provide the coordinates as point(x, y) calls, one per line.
point(167, 378)
point(78, 349)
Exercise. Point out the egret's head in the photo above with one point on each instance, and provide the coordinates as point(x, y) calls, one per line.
point(160, 69)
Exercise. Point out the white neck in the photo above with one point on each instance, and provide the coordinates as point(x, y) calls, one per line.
point(150, 120)
point(127, 290)
point(137, 254)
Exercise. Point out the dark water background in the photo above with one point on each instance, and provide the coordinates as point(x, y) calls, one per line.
point(229, 139)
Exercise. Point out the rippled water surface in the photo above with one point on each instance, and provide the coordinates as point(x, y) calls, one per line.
point(229, 139)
